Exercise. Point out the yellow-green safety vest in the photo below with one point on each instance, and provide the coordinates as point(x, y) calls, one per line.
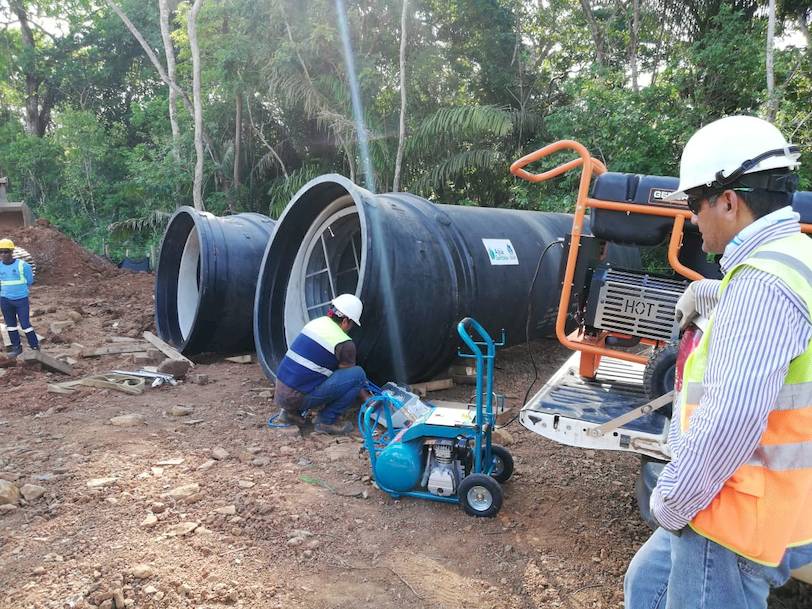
point(765, 507)
point(20, 272)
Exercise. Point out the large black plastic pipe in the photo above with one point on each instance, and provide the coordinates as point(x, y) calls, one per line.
point(206, 279)
point(419, 268)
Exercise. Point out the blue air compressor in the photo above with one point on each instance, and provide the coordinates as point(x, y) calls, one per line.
point(440, 453)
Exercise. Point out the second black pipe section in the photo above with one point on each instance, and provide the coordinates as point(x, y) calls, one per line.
point(418, 268)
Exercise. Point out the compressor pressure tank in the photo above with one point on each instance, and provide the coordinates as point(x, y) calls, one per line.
point(400, 465)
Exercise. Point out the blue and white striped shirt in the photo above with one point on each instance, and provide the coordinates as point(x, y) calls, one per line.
point(760, 326)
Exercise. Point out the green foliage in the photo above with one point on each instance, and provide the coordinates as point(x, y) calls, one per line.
point(282, 190)
point(32, 164)
point(448, 126)
point(488, 81)
point(715, 86)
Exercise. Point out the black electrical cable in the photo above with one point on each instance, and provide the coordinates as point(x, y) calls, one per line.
point(527, 327)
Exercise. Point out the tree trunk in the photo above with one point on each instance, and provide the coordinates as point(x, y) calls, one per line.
point(402, 128)
point(169, 51)
point(237, 140)
point(197, 196)
point(597, 36)
point(772, 100)
point(633, 42)
point(172, 84)
point(38, 104)
point(804, 27)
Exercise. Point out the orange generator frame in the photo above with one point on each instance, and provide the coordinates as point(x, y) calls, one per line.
point(593, 348)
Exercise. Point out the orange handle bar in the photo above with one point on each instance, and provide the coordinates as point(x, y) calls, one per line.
point(517, 168)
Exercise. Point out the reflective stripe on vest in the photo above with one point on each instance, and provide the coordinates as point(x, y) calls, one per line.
point(764, 507)
point(20, 271)
point(311, 359)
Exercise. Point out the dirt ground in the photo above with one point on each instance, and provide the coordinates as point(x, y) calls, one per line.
point(200, 504)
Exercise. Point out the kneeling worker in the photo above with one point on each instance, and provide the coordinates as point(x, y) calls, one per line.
point(319, 369)
point(15, 278)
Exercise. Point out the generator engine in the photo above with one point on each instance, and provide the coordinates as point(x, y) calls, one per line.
point(638, 304)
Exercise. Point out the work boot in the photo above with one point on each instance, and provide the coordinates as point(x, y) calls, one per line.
point(15, 351)
point(334, 429)
point(289, 417)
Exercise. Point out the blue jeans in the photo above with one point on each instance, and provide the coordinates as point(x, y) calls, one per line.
point(12, 311)
point(337, 393)
point(706, 575)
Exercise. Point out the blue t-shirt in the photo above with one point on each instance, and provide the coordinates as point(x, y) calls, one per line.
point(11, 272)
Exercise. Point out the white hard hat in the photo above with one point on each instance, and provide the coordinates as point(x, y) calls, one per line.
point(726, 149)
point(349, 306)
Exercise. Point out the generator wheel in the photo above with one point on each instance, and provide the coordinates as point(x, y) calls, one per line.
point(23, 254)
point(480, 495)
point(502, 463)
point(659, 376)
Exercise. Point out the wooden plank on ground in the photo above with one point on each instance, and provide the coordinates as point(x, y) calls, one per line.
point(116, 349)
point(167, 349)
point(51, 363)
point(422, 389)
point(463, 380)
point(248, 358)
point(463, 370)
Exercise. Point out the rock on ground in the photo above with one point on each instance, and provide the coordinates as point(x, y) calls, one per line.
point(177, 368)
point(142, 571)
point(219, 453)
point(184, 491)
point(101, 482)
point(9, 493)
point(127, 420)
point(32, 492)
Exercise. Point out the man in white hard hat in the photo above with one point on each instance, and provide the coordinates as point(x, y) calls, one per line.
point(319, 369)
point(735, 501)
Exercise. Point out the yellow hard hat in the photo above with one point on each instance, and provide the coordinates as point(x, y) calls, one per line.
point(6, 244)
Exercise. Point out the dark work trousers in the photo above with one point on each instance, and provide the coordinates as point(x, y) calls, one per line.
point(14, 310)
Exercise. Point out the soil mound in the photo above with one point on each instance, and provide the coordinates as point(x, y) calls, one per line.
point(60, 259)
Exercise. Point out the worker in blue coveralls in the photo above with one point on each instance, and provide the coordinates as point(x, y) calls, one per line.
point(15, 279)
point(319, 370)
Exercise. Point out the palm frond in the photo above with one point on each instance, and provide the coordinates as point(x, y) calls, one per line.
point(299, 92)
point(527, 123)
point(227, 156)
point(265, 165)
point(281, 190)
point(456, 166)
point(153, 221)
point(449, 126)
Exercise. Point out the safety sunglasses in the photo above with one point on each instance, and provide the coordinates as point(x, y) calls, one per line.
point(695, 201)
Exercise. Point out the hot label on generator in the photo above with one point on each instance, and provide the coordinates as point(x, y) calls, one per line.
point(639, 308)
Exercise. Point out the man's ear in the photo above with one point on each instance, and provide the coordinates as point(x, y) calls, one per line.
point(729, 199)
point(735, 207)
